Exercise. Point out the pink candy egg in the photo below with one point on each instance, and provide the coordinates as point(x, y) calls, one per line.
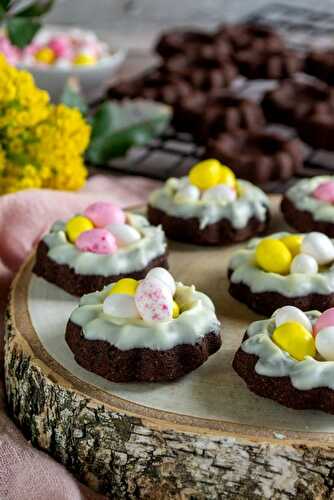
point(61, 46)
point(325, 192)
point(324, 321)
point(103, 213)
point(154, 300)
point(99, 241)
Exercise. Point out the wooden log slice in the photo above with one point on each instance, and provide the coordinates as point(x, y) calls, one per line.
point(204, 436)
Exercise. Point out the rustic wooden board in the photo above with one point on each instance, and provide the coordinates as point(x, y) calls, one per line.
point(204, 436)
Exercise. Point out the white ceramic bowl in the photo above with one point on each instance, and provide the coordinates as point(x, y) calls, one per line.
point(93, 78)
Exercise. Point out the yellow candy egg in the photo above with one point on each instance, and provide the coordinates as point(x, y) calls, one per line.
point(227, 177)
point(293, 338)
point(176, 310)
point(84, 59)
point(293, 242)
point(77, 225)
point(205, 174)
point(273, 256)
point(45, 55)
point(125, 286)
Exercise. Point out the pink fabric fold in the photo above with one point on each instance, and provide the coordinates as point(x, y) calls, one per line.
point(26, 473)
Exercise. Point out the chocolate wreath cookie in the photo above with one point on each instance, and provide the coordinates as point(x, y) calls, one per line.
point(284, 269)
point(209, 207)
point(320, 63)
point(291, 100)
point(154, 330)
point(309, 205)
point(97, 247)
point(290, 358)
point(257, 156)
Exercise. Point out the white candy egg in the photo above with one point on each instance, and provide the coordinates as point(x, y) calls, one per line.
point(324, 342)
point(319, 246)
point(164, 276)
point(287, 314)
point(120, 306)
point(221, 193)
point(125, 235)
point(303, 263)
point(187, 193)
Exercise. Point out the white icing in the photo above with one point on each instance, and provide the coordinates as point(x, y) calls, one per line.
point(245, 270)
point(274, 362)
point(194, 323)
point(126, 260)
point(301, 195)
point(252, 202)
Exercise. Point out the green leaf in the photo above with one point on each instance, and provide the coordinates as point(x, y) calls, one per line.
point(117, 127)
point(5, 4)
point(72, 96)
point(22, 30)
point(2, 12)
point(36, 9)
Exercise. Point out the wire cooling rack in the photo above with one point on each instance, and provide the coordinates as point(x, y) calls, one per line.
point(173, 153)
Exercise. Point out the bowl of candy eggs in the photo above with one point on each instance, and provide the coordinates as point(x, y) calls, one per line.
point(58, 53)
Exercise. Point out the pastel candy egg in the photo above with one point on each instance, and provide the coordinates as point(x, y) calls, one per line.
point(227, 177)
point(103, 213)
point(291, 314)
point(324, 343)
point(45, 55)
point(205, 174)
point(324, 321)
point(96, 240)
point(84, 59)
point(176, 310)
point(61, 46)
point(325, 192)
point(220, 193)
point(154, 300)
point(293, 242)
point(164, 276)
point(273, 256)
point(125, 235)
point(295, 339)
point(126, 286)
point(304, 264)
point(120, 306)
point(187, 193)
point(77, 225)
point(319, 246)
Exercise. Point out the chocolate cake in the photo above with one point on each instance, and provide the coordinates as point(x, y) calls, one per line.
point(303, 382)
point(257, 156)
point(309, 205)
point(284, 269)
point(154, 349)
point(263, 64)
point(320, 63)
point(292, 100)
point(218, 215)
point(85, 254)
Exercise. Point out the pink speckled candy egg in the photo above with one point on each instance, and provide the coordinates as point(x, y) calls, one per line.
point(324, 321)
point(325, 192)
point(96, 240)
point(154, 300)
point(103, 213)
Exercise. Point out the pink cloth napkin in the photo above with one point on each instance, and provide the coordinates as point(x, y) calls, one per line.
point(26, 473)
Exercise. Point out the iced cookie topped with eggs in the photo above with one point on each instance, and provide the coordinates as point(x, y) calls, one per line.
point(209, 206)
point(148, 330)
point(99, 246)
point(289, 358)
point(309, 205)
point(284, 269)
